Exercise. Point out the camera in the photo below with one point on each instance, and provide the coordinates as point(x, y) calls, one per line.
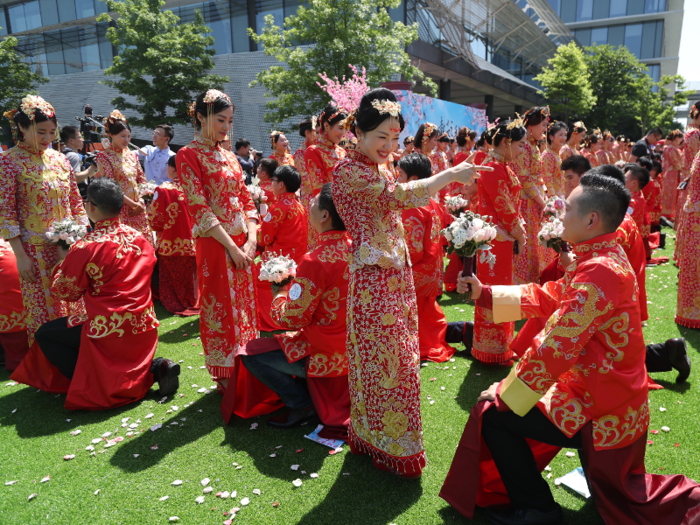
point(90, 158)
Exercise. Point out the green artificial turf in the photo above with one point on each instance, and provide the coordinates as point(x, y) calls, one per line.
point(34, 439)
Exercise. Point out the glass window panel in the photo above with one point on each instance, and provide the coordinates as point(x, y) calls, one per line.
point(49, 12)
point(568, 11)
point(648, 40)
point(635, 7)
point(84, 8)
point(599, 36)
point(106, 52)
point(479, 48)
point(584, 10)
point(239, 26)
point(66, 10)
point(633, 38)
point(659, 38)
point(618, 8)
point(32, 14)
point(583, 36)
point(54, 53)
point(398, 14)
point(217, 18)
point(556, 5)
point(654, 73)
point(616, 35)
point(291, 6)
point(90, 55)
point(3, 22)
point(268, 7)
point(74, 61)
point(100, 7)
point(601, 9)
point(17, 19)
point(654, 6)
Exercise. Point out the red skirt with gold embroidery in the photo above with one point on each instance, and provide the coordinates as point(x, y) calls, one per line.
point(492, 341)
point(530, 263)
point(227, 302)
point(137, 222)
point(669, 193)
point(177, 288)
point(383, 375)
point(688, 310)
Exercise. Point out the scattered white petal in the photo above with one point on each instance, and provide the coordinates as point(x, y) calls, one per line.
point(110, 444)
point(548, 468)
point(432, 402)
point(182, 360)
point(136, 455)
point(134, 425)
point(163, 400)
point(346, 473)
point(253, 426)
point(442, 388)
point(44, 480)
point(256, 491)
point(106, 434)
point(549, 476)
point(212, 387)
point(125, 419)
point(130, 434)
point(163, 498)
point(424, 364)
point(239, 468)
point(313, 475)
point(177, 482)
point(234, 494)
point(245, 501)
point(11, 383)
point(452, 360)
point(666, 429)
point(68, 420)
point(149, 416)
point(202, 390)
point(96, 492)
point(205, 482)
point(15, 410)
point(68, 457)
point(76, 432)
point(174, 407)
point(96, 441)
point(156, 427)
point(207, 490)
point(295, 467)
point(174, 518)
point(202, 367)
point(174, 423)
point(199, 500)
point(189, 368)
point(662, 409)
point(278, 446)
point(571, 454)
point(273, 455)
point(14, 480)
point(225, 495)
point(32, 496)
point(90, 448)
point(296, 482)
point(183, 419)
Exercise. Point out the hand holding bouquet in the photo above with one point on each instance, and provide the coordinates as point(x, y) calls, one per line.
point(278, 270)
point(146, 191)
point(65, 232)
point(550, 234)
point(456, 205)
point(554, 207)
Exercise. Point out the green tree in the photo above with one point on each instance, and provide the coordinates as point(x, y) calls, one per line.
point(566, 82)
point(619, 82)
point(340, 33)
point(161, 64)
point(16, 78)
point(656, 109)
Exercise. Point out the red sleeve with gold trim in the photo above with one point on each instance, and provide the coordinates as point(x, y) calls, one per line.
point(190, 174)
point(496, 186)
point(417, 232)
point(270, 225)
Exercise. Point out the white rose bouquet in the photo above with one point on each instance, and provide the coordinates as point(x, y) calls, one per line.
point(146, 191)
point(258, 195)
point(456, 205)
point(278, 270)
point(468, 235)
point(65, 232)
point(550, 235)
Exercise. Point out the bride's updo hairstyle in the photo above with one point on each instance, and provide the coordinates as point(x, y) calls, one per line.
point(368, 117)
point(512, 131)
point(210, 103)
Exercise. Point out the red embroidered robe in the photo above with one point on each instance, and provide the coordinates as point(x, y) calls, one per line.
point(552, 174)
point(691, 147)
point(688, 311)
point(639, 213)
point(111, 269)
point(652, 196)
point(673, 168)
point(286, 160)
point(215, 190)
point(177, 263)
point(13, 329)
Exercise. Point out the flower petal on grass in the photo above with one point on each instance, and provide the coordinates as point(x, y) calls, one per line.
point(205, 482)
point(96, 492)
point(174, 519)
point(163, 498)
point(106, 434)
point(666, 429)
point(207, 490)
point(68, 457)
point(296, 482)
point(45, 479)
point(32, 496)
point(253, 426)
point(149, 416)
point(256, 492)
point(11, 482)
point(662, 409)
point(245, 501)
point(177, 482)
point(199, 500)
point(225, 494)
point(90, 448)
point(295, 467)
point(156, 427)
point(300, 450)
point(571, 454)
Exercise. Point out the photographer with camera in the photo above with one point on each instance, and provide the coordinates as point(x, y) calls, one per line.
point(71, 137)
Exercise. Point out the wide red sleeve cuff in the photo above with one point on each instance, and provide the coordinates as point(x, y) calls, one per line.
point(485, 300)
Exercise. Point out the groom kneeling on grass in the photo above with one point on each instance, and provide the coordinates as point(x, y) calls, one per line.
point(581, 385)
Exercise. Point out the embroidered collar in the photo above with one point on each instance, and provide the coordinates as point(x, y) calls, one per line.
point(118, 151)
point(106, 223)
point(206, 142)
point(602, 242)
point(358, 156)
point(332, 235)
point(496, 157)
point(31, 149)
point(326, 143)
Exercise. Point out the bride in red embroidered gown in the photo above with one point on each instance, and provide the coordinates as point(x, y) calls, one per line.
point(573, 141)
point(224, 224)
point(307, 129)
point(38, 187)
point(119, 163)
point(280, 153)
point(382, 327)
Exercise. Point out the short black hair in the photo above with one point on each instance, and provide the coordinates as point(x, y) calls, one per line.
point(304, 126)
point(657, 132)
point(554, 128)
point(69, 132)
point(640, 174)
point(325, 202)
point(606, 196)
point(116, 127)
point(444, 138)
point(241, 143)
point(269, 165)
point(576, 163)
point(172, 162)
point(106, 195)
point(416, 165)
point(609, 170)
point(289, 176)
point(644, 162)
point(656, 166)
point(168, 130)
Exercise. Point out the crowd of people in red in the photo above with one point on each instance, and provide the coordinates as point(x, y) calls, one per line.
point(362, 220)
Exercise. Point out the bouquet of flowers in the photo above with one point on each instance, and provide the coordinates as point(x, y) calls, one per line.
point(257, 193)
point(471, 234)
point(278, 270)
point(65, 232)
point(554, 207)
point(550, 235)
point(456, 205)
point(146, 191)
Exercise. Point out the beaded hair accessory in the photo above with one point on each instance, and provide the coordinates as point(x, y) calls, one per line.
point(387, 106)
point(408, 139)
point(31, 103)
point(10, 115)
point(314, 122)
point(349, 122)
point(213, 95)
point(579, 125)
point(274, 136)
point(115, 116)
point(428, 129)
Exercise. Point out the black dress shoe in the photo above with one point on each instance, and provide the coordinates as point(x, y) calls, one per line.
point(510, 516)
point(468, 335)
point(662, 241)
point(678, 355)
point(165, 373)
point(292, 418)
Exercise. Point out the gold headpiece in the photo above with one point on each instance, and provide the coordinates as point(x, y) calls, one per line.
point(349, 122)
point(213, 95)
point(314, 122)
point(10, 115)
point(428, 129)
point(580, 124)
point(387, 106)
point(116, 115)
point(272, 137)
point(32, 103)
point(515, 123)
point(190, 109)
point(410, 138)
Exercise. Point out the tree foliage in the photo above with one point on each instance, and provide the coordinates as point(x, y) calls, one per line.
point(16, 77)
point(340, 33)
point(656, 109)
point(566, 82)
point(162, 65)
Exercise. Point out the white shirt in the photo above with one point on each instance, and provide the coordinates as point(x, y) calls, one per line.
point(155, 163)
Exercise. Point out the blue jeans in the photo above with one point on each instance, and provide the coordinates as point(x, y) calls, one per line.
point(275, 371)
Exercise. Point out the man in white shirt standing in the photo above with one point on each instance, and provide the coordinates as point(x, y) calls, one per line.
point(155, 158)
